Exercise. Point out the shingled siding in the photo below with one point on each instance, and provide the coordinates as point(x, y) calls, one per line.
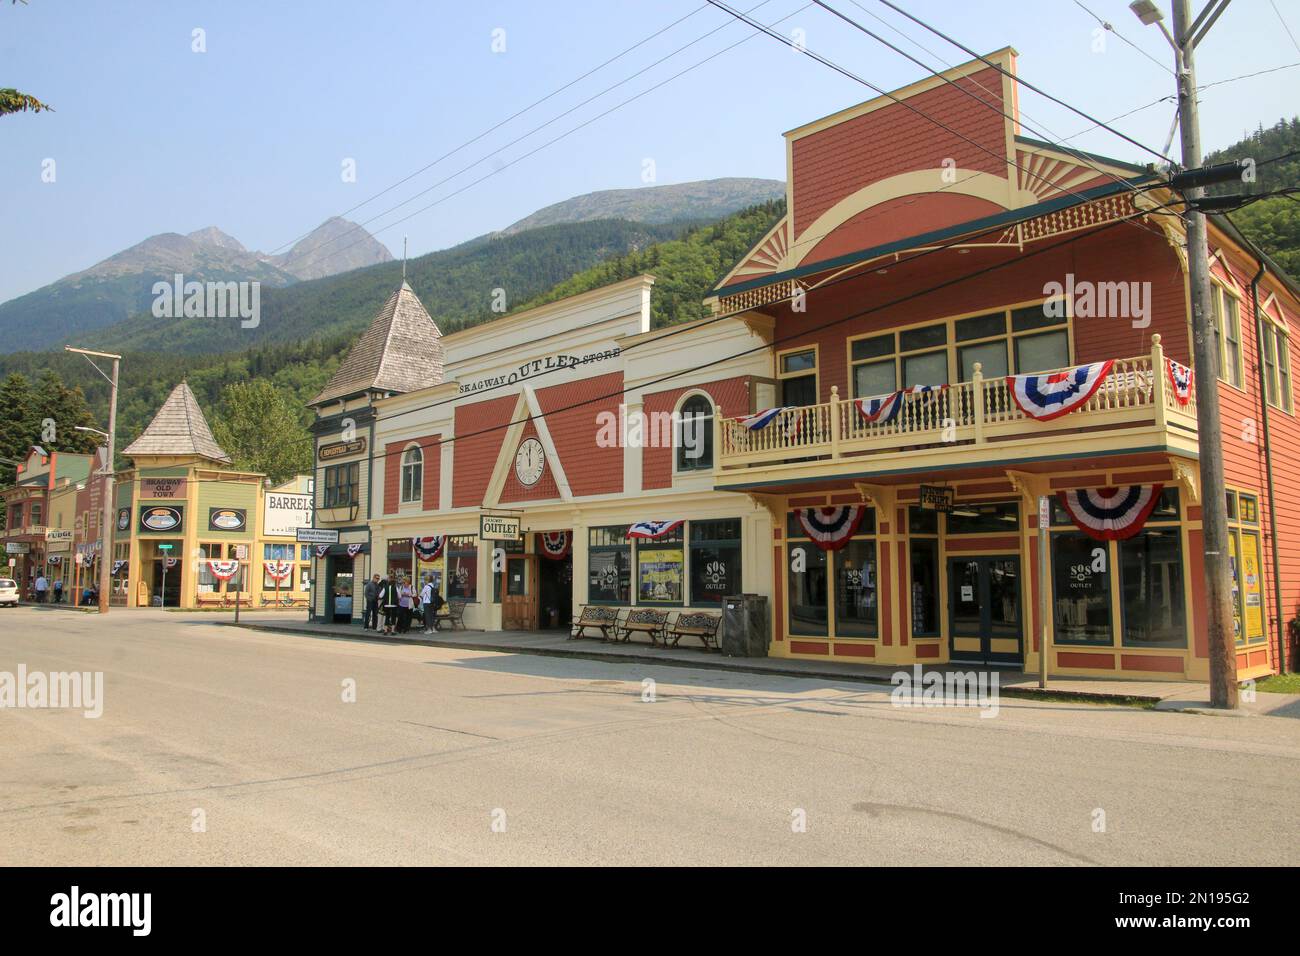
point(836, 162)
point(730, 399)
point(591, 470)
point(475, 455)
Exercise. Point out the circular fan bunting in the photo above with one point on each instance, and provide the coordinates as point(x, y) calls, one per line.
point(554, 544)
point(221, 570)
point(831, 528)
point(1111, 514)
point(279, 570)
point(429, 548)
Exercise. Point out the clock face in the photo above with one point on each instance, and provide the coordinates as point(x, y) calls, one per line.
point(530, 462)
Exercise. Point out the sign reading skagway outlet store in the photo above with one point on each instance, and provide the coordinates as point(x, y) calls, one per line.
point(498, 527)
point(341, 449)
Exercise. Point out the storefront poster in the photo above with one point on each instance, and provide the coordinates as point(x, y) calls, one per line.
point(227, 519)
point(659, 573)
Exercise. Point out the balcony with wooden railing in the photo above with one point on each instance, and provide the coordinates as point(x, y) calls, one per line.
point(967, 423)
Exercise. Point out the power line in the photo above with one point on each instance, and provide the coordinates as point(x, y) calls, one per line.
point(1080, 157)
point(1025, 83)
point(1284, 25)
point(537, 129)
point(1106, 25)
point(513, 116)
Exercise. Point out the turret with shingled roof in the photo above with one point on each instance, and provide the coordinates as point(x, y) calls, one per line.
point(400, 351)
point(178, 430)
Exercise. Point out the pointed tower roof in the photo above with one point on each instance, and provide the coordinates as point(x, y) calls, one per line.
point(401, 351)
point(178, 429)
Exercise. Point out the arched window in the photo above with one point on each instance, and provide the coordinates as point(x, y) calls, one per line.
point(412, 474)
point(694, 438)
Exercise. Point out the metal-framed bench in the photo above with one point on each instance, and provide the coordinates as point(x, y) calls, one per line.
point(598, 616)
point(643, 620)
point(699, 624)
point(453, 615)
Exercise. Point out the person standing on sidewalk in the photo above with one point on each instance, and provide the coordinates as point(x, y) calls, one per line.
point(41, 587)
point(405, 601)
point(370, 617)
point(432, 602)
point(388, 602)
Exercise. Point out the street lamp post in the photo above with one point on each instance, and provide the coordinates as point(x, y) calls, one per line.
point(106, 528)
point(1188, 32)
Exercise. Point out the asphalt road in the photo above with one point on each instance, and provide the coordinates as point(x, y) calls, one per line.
point(225, 746)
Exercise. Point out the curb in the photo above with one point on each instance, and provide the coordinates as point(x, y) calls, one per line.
point(706, 663)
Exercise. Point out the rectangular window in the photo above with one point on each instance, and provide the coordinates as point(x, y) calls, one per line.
point(855, 589)
point(999, 517)
point(991, 356)
point(808, 589)
point(462, 568)
point(1151, 586)
point(715, 561)
point(1227, 335)
point(609, 566)
point(342, 485)
point(925, 587)
point(1042, 352)
point(1081, 590)
point(660, 570)
point(926, 368)
point(1277, 366)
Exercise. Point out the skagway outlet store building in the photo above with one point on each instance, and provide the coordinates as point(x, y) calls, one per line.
point(951, 322)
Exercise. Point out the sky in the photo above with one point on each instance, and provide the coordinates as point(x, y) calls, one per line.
point(254, 132)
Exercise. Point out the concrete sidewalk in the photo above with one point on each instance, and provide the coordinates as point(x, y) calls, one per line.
point(1163, 695)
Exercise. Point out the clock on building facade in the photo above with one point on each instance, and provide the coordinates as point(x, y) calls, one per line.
point(530, 462)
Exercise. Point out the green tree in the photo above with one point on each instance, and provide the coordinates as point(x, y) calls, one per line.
point(59, 411)
point(17, 422)
point(1275, 225)
point(262, 430)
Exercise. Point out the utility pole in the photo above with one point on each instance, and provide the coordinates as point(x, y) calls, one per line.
point(106, 503)
point(1188, 32)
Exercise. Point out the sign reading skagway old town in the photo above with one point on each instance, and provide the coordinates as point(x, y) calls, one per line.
point(341, 449)
point(551, 363)
point(162, 488)
point(498, 527)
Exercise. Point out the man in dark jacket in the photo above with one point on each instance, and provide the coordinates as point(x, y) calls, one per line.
point(370, 621)
point(388, 602)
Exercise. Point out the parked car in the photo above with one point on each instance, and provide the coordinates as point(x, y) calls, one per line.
point(9, 592)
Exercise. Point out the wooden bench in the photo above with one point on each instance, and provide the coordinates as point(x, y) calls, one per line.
point(285, 600)
point(644, 620)
point(597, 616)
point(699, 624)
point(453, 615)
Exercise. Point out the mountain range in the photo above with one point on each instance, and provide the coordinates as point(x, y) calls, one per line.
point(329, 281)
point(122, 285)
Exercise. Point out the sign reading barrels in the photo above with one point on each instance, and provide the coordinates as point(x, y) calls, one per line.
point(227, 519)
point(341, 449)
point(157, 518)
point(498, 527)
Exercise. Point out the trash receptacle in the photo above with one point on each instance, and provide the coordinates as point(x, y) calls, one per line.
point(746, 631)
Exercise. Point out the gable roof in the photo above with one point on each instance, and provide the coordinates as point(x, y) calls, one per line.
point(400, 351)
point(178, 428)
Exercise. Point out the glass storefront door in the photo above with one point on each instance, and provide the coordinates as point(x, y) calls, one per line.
point(984, 614)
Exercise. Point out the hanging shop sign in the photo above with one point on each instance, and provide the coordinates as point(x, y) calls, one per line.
point(227, 519)
point(318, 535)
point(58, 539)
point(938, 498)
point(284, 514)
point(157, 518)
point(498, 527)
point(17, 547)
point(171, 488)
point(341, 449)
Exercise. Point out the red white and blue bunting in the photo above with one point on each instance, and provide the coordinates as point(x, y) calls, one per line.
point(1111, 514)
point(879, 409)
point(1050, 395)
point(791, 423)
point(118, 566)
point(222, 570)
point(54, 559)
point(354, 550)
point(556, 545)
point(322, 550)
point(1180, 378)
point(831, 528)
point(279, 570)
point(653, 529)
point(429, 548)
